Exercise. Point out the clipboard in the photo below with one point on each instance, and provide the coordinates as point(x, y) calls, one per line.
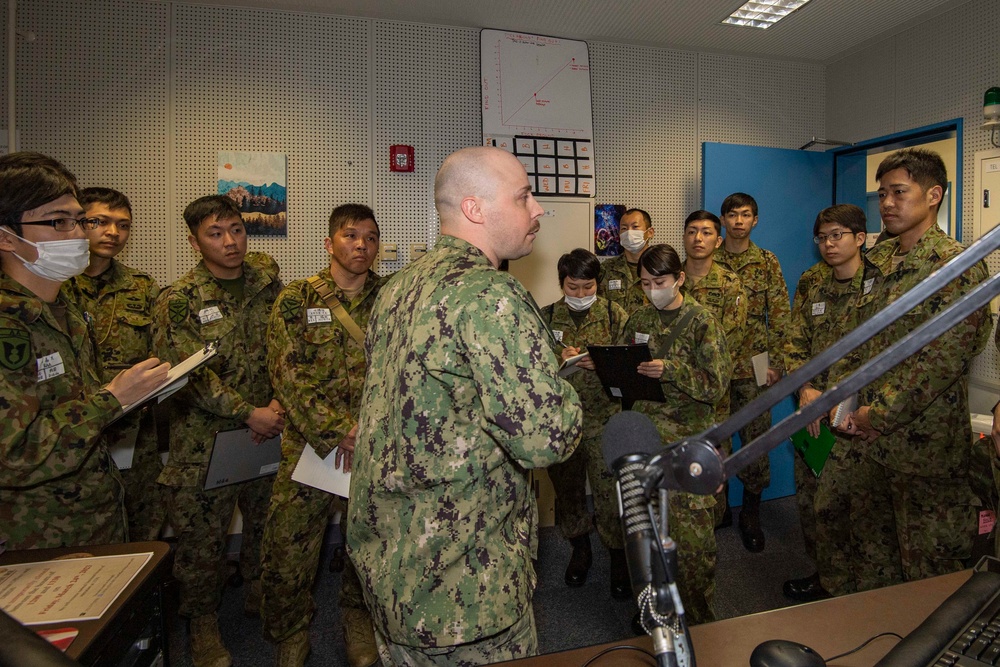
point(814, 451)
point(237, 458)
point(177, 377)
point(616, 366)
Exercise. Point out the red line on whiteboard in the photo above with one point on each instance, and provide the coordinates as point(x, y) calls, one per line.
point(535, 94)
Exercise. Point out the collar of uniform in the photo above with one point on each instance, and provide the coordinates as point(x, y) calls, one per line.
point(924, 250)
point(473, 253)
point(209, 289)
point(752, 255)
point(115, 279)
point(372, 281)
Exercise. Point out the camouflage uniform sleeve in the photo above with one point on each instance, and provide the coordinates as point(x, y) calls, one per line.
point(778, 312)
point(175, 338)
point(707, 379)
point(798, 341)
point(908, 389)
point(537, 414)
point(300, 383)
point(619, 317)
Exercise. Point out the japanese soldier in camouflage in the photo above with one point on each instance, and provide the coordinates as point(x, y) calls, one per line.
point(579, 319)
point(466, 400)
point(691, 360)
point(917, 512)
point(767, 320)
point(318, 372)
point(118, 301)
point(58, 484)
point(828, 304)
point(225, 299)
point(619, 282)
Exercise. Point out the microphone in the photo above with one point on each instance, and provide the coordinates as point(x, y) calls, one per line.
point(629, 439)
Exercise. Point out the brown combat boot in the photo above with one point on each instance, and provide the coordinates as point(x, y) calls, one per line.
point(359, 637)
point(293, 651)
point(207, 649)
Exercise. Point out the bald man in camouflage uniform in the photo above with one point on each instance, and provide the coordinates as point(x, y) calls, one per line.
point(118, 300)
point(767, 319)
point(58, 484)
point(696, 374)
point(318, 373)
point(917, 514)
point(226, 299)
point(720, 291)
point(442, 520)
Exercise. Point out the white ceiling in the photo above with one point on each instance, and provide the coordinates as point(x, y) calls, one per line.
point(821, 31)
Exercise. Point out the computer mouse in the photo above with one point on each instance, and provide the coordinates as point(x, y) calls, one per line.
point(785, 653)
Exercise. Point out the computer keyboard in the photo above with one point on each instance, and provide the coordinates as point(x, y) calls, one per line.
point(963, 632)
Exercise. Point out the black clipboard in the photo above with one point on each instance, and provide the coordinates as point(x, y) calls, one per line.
point(616, 364)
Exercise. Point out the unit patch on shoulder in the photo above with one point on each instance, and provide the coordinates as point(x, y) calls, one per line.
point(290, 308)
point(15, 348)
point(178, 309)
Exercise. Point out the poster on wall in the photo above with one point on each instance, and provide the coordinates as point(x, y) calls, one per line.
point(256, 182)
point(606, 225)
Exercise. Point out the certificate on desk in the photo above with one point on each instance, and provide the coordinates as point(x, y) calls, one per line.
point(63, 591)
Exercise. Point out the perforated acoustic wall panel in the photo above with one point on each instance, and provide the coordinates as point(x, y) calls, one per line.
point(3, 77)
point(930, 73)
point(96, 99)
point(645, 132)
point(254, 80)
point(426, 88)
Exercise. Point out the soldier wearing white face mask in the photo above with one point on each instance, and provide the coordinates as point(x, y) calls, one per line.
point(579, 319)
point(619, 281)
point(58, 484)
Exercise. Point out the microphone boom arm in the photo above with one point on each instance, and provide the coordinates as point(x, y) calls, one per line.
point(694, 465)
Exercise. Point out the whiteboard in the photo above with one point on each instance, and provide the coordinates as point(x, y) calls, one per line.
point(535, 86)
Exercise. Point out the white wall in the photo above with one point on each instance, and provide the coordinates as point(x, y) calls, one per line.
point(141, 95)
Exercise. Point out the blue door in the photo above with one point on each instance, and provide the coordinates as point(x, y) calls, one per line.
point(791, 187)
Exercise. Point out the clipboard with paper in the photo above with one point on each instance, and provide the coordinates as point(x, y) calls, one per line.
point(616, 367)
point(177, 377)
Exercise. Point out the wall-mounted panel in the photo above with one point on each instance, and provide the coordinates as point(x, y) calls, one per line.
point(255, 80)
point(96, 98)
point(426, 95)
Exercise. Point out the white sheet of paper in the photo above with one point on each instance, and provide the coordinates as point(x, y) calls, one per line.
point(123, 453)
point(760, 368)
point(176, 377)
point(569, 365)
point(321, 473)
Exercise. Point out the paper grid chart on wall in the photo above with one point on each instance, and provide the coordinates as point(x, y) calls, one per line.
point(537, 105)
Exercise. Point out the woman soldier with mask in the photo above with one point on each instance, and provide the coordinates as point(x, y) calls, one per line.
point(692, 362)
point(579, 319)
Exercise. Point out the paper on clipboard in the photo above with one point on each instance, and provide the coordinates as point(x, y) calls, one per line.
point(177, 377)
point(322, 474)
point(569, 366)
point(760, 363)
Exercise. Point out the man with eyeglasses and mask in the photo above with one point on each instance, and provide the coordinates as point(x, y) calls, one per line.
point(58, 484)
point(619, 282)
point(117, 300)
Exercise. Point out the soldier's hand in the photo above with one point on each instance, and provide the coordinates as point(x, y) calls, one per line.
point(345, 451)
point(651, 369)
point(995, 434)
point(569, 351)
point(806, 396)
point(773, 375)
point(133, 383)
point(266, 422)
point(587, 364)
point(859, 424)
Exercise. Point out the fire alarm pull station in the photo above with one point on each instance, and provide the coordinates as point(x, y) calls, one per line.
point(400, 158)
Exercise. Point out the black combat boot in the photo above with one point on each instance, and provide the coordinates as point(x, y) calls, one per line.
point(750, 530)
point(579, 562)
point(621, 587)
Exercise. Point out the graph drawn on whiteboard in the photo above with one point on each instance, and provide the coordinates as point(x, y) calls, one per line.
point(535, 86)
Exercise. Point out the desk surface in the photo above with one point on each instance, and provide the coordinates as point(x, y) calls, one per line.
point(830, 627)
point(89, 630)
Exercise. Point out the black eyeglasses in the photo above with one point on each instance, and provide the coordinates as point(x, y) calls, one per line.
point(820, 239)
point(65, 224)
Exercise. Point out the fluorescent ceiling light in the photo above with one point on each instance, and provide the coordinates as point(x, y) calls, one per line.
point(763, 13)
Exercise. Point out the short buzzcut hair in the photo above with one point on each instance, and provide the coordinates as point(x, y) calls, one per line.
point(704, 215)
point(346, 213)
point(221, 206)
point(578, 264)
point(29, 180)
point(645, 216)
point(111, 198)
point(845, 215)
point(739, 200)
point(924, 166)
